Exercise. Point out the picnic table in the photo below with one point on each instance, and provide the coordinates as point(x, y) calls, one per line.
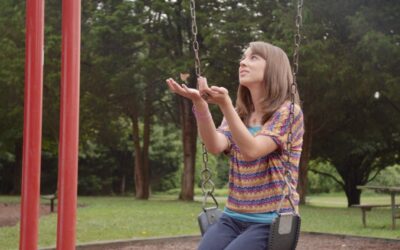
point(392, 191)
point(51, 198)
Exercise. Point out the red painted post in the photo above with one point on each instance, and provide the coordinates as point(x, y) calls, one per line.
point(30, 190)
point(69, 125)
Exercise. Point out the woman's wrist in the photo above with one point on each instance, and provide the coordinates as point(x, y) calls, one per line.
point(227, 104)
point(200, 104)
point(201, 113)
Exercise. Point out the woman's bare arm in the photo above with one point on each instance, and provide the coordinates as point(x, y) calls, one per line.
point(215, 142)
point(250, 147)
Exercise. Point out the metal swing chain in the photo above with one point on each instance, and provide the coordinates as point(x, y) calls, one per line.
point(195, 44)
point(295, 70)
point(207, 185)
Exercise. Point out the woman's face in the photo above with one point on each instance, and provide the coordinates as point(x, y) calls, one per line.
point(251, 69)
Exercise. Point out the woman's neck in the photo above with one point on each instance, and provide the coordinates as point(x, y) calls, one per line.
point(257, 94)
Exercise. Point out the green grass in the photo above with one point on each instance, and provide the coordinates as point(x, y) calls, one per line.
point(111, 218)
point(339, 199)
point(198, 192)
point(348, 221)
point(329, 213)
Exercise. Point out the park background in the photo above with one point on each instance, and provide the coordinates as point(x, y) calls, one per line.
point(138, 141)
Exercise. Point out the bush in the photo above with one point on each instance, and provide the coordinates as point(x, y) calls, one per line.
point(319, 183)
point(165, 158)
point(390, 176)
point(91, 185)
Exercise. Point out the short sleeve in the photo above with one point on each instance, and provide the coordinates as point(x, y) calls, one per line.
point(224, 129)
point(278, 127)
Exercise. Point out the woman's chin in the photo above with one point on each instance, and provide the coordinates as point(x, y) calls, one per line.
point(244, 83)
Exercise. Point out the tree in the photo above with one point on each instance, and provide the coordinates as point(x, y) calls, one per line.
point(355, 139)
point(113, 44)
point(12, 47)
point(130, 61)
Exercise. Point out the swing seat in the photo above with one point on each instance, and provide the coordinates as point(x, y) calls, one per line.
point(208, 217)
point(284, 232)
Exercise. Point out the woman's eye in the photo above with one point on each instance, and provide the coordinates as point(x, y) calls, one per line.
point(252, 57)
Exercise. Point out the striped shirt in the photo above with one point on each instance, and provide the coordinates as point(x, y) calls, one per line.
point(256, 186)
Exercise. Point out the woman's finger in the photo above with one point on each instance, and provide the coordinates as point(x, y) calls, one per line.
point(172, 80)
point(170, 86)
point(181, 89)
point(175, 84)
point(202, 81)
point(209, 92)
point(175, 87)
point(189, 92)
point(185, 88)
point(221, 90)
point(209, 95)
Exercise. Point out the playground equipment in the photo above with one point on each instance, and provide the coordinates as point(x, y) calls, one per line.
point(287, 225)
point(69, 124)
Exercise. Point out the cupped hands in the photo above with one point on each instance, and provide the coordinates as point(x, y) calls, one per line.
point(214, 94)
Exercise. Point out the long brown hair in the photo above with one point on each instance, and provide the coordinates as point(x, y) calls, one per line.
point(277, 83)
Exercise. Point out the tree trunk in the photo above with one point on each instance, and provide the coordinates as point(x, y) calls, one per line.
point(122, 184)
point(140, 170)
point(353, 194)
point(125, 161)
point(189, 136)
point(305, 158)
point(188, 123)
point(17, 173)
point(142, 179)
point(146, 140)
point(351, 181)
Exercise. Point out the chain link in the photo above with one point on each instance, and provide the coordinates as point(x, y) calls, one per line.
point(207, 185)
point(293, 90)
point(295, 70)
point(195, 43)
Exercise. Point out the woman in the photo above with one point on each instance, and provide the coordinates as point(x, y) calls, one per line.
point(254, 134)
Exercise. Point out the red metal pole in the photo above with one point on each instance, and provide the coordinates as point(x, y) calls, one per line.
point(30, 188)
point(69, 125)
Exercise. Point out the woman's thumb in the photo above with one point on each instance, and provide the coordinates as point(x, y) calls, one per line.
point(202, 81)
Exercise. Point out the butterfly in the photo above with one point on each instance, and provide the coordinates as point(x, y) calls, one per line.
point(184, 76)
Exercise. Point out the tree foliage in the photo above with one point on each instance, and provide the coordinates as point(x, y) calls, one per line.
point(130, 124)
point(354, 130)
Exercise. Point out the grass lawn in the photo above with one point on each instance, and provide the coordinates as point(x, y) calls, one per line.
point(111, 218)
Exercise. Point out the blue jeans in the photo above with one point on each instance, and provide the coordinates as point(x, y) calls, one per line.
point(230, 234)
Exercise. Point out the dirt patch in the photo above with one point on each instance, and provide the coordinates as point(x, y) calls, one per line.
point(10, 213)
point(330, 241)
point(307, 241)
